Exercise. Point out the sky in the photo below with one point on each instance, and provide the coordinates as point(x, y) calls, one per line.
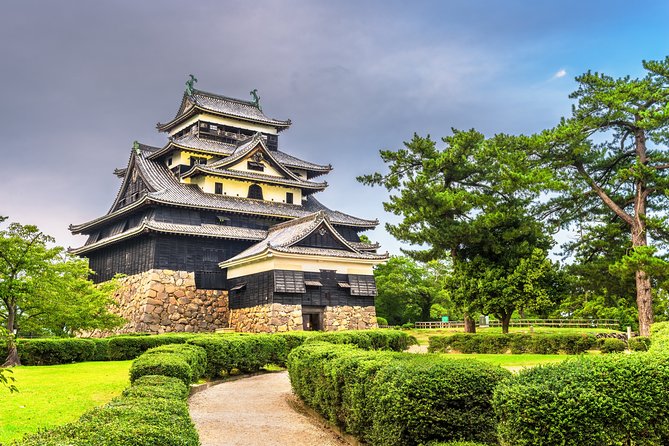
point(82, 80)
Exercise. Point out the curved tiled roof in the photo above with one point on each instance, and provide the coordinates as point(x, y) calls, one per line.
point(253, 176)
point(283, 236)
point(169, 190)
point(225, 106)
point(204, 230)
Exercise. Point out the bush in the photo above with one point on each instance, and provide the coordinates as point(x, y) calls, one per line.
point(369, 339)
point(56, 351)
point(515, 342)
point(659, 336)
point(158, 386)
point(381, 320)
point(151, 412)
point(408, 325)
point(611, 345)
point(389, 398)
point(639, 344)
point(590, 400)
point(185, 362)
point(122, 348)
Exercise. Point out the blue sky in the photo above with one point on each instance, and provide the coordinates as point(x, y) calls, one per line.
point(82, 80)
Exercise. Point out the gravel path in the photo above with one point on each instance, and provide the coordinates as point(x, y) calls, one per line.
point(256, 411)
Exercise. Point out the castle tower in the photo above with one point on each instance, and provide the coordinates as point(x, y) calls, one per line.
point(220, 228)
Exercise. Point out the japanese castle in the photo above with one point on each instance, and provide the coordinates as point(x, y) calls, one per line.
point(220, 228)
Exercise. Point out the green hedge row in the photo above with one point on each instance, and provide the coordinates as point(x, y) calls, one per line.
point(152, 411)
point(388, 398)
point(185, 362)
point(51, 351)
point(514, 342)
point(587, 401)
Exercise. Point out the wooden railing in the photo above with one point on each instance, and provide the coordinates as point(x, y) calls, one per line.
point(564, 323)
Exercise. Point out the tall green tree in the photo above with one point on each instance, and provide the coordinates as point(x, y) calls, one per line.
point(504, 267)
point(408, 290)
point(44, 290)
point(438, 192)
point(611, 155)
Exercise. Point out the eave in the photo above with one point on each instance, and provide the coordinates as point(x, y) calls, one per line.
point(200, 169)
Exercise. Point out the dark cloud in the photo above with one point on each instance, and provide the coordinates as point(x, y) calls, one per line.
point(82, 80)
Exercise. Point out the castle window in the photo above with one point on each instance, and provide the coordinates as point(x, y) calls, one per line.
point(169, 161)
point(197, 160)
point(223, 220)
point(289, 197)
point(218, 188)
point(255, 192)
point(253, 165)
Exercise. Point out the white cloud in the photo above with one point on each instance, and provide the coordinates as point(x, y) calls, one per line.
point(561, 73)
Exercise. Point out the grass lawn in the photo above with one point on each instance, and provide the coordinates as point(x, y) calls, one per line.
point(511, 362)
point(53, 395)
point(423, 334)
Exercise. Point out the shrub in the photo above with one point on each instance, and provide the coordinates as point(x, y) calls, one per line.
point(659, 336)
point(185, 362)
point(157, 386)
point(151, 412)
point(122, 348)
point(390, 398)
point(55, 351)
point(514, 342)
point(590, 400)
point(381, 320)
point(612, 345)
point(408, 325)
point(369, 339)
point(639, 344)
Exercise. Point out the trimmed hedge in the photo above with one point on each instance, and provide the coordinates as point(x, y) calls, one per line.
point(639, 344)
point(388, 398)
point(612, 345)
point(516, 343)
point(56, 351)
point(153, 411)
point(50, 351)
point(659, 336)
point(185, 362)
point(597, 400)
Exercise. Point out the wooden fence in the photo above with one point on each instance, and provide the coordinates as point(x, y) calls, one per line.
point(558, 323)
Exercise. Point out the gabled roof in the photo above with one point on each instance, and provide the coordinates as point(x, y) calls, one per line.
point(223, 106)
point(170, 191)
point(253, 176)
point(283, 238)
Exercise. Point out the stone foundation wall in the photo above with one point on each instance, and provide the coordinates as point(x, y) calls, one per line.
point(279, 318)
point(269, 318)
point(164, 301)
point(349, 318)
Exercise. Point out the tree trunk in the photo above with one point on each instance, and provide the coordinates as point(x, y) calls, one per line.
point(470, 324)
point(12, 350)
point(506, 319)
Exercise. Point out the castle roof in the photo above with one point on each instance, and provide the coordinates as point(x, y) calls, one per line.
point(165, 188)
point(285, 237)
point(202, 101)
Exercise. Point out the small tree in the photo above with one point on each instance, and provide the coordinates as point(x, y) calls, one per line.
point(43, 289)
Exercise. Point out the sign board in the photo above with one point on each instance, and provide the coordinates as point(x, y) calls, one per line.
point(444, 319)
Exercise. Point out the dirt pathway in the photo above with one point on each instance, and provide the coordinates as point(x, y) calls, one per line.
point(256, 411)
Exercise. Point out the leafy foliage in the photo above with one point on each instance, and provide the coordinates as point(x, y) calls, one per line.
point(516, 343)
point(396, 399)
point(408, 290)
point(44, 290)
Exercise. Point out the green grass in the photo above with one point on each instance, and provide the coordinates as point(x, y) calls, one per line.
point(53, 395)
point(423, 334)
point(513, 362)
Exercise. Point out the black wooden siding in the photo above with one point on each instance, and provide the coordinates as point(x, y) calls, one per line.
point(259, 290)
point(321, 238)
point(130, 257)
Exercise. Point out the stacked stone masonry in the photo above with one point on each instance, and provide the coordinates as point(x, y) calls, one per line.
point(280, 318)
point(163, 301)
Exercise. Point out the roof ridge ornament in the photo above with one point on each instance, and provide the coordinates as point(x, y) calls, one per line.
point(190, 89)
point(256, 98)
point(135, 147)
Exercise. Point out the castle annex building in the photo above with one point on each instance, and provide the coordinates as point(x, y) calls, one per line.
point(220, 228)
